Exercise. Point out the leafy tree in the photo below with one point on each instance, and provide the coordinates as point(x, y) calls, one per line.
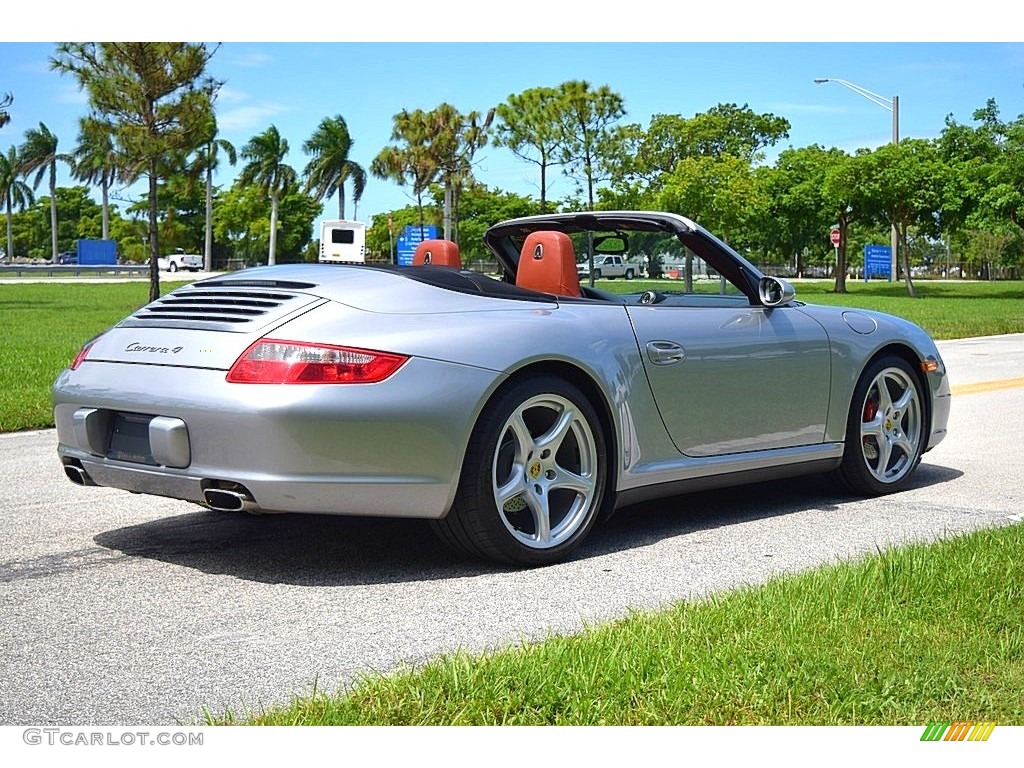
point(39, 155)
point(799, 212)
point(241, 220)
point(481, 207)
point(154, 99)
point(267, 170)
point(842, 190)
point(31, 228)
point(94, 161)
point(529, 126)
point(130, 235)
point(903, 184)
point(384, 229)
point(721, 193)
point(985, 185)
point(181, 214)
point(78, 216)
point(725, 129)
point(587, 116)
point(331, 166)
point(14, 193)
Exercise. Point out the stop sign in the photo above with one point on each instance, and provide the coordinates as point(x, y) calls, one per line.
point(835, 237)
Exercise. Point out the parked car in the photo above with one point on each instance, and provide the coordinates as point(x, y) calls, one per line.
point(607, 266)
point(515, 413)
point(67, 257)
point(181, 260)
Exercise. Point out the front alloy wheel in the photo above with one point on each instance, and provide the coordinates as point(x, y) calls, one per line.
point(886, 429)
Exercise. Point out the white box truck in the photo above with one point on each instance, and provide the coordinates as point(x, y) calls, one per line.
point(343, 241)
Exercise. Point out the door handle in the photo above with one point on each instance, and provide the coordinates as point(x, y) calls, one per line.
point(665, 352)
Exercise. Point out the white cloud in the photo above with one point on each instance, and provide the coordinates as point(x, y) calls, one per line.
point(247, 118)
point(70, 95)
point(251, 59)
point(230, 95)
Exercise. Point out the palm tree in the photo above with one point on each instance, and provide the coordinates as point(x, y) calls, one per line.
point(267, 170)
point(331, 167)
point(411, 161)
point(13, 192)
point(95, 162)
point(39, 155)
point(434, 146)
point(207, 159)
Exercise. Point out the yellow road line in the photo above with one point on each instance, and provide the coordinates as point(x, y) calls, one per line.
point(987, 386)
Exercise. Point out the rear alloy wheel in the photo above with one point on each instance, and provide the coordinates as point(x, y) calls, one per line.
point(630, 274)
point(534, 478)
point(172, 267)
point(885, 430)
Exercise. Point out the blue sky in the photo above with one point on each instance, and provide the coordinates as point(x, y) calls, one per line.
point(294, 85)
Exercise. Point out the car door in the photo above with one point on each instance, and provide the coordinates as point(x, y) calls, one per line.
point(729, 377)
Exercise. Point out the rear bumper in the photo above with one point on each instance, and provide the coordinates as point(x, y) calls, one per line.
point(392, 449)
point(375, 496)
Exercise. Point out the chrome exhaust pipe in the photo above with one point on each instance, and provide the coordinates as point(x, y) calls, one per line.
point(77, 475)
point(222, 500)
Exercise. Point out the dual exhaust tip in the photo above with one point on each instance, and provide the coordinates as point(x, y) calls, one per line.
point(77, 475)
point(234, 499)
point(237, 499)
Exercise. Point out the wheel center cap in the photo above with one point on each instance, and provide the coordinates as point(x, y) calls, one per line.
point(534, 470)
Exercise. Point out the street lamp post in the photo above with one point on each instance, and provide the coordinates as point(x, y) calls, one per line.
point(892, 106)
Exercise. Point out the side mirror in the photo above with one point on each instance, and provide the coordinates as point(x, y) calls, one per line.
point(774, 291)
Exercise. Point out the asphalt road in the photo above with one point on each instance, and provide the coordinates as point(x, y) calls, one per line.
point(119, 610)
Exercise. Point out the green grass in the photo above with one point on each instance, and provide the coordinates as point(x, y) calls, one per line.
point(926, 632)
point(45, 324)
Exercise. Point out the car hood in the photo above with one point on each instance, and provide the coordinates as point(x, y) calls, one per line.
point(872, 327)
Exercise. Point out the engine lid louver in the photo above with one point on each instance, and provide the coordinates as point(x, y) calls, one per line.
point(220, 308)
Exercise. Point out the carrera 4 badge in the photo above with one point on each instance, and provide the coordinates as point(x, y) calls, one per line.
point(136, 347)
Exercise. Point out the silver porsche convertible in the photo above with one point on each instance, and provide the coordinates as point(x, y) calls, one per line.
point(514, 412)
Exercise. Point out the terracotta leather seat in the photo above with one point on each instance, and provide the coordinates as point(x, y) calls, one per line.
point(547, 264)
point(438, 253)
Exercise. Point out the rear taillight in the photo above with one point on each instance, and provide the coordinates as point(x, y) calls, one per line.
point(83, 353)
point(272, 361)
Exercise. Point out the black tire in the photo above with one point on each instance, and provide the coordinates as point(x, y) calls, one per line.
point(630, 274)
point(172, 267)
point(535, 476)
point(885, 429)
point(597, 274)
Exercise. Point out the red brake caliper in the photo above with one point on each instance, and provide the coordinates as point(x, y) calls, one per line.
point(870, 410)
point(870, 448)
